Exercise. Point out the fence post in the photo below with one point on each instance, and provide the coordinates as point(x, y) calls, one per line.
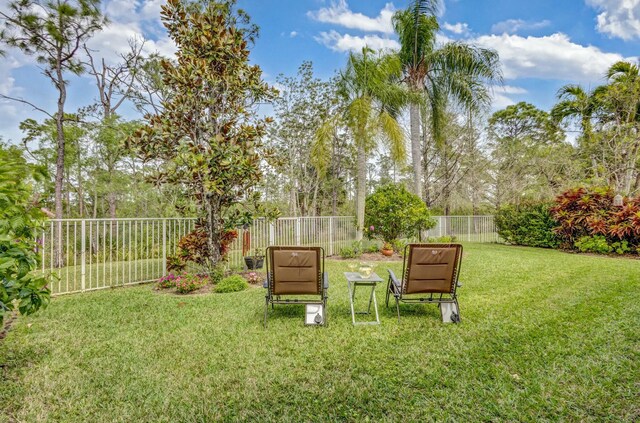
point(272, 230)
point(440, 227)
point(469, 228)
point(164, 247)
point(298, 231)
point(331, 236)
point(83, 255)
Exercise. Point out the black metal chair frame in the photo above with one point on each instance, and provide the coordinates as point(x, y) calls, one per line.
point(274, 299)
point(397, 287)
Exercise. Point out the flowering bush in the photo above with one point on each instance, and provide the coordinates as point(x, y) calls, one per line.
point(253, 278)
point(168, 281)
point(188, 283)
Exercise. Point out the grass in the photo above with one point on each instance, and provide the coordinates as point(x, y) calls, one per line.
point(545, 336)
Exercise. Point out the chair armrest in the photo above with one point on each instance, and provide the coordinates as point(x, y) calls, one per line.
point(393, 278)
point(325, 280)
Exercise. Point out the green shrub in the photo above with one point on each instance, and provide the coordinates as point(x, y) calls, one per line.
point(593, 244)
point(621, 247)
point(372, 247)
point(189, 282)
point(392, 212)
point(528, 224)
point(600, 245)
point(354, 251)
point(233, 283)
point(21, 222)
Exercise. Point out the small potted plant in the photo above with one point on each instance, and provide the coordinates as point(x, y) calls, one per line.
point(387, 249)
point(256, 261)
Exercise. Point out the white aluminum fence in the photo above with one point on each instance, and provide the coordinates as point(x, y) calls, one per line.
point(465, 228)
point(90, 254)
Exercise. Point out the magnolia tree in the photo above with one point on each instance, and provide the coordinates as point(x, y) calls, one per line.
point(206, 133)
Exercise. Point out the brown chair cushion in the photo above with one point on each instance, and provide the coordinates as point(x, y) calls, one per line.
point(296, 272)
point(431, 269)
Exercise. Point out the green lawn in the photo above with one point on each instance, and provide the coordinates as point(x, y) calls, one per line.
point(545, 336)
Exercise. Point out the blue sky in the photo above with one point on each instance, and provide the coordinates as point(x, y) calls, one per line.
point(543, 44)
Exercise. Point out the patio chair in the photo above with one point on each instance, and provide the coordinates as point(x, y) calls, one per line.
point(295, 275)
point(429, 275)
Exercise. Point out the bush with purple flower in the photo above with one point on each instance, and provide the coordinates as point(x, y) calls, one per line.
point(168, 281)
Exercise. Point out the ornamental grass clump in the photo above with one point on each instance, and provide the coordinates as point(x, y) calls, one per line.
point(188, 283)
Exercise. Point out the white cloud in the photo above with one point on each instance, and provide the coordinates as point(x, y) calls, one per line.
point(511, 26)
point(346, 42)
point(500, 95)
point(293, 34)
point(338, 13)
point(549, 57)
point(127, 19)
point(618, 18)
point(458, 28)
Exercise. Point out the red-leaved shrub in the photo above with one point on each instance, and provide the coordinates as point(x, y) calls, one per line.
point(582, 212)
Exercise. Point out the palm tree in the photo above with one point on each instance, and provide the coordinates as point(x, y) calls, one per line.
point(372, 99)
point(576, 103)
point(620, 98)
point(454, 71)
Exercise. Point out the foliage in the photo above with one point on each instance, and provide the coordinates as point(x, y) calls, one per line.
point(393, 212)
point(532, 159)
point(372, 99)
point(608, 120)
point(353, 251)
point(437, 74)
point(216, 274)
point(233, 283)
point(187, 282)
point(582, 212)
point(20, 223)
point(600, 245)
point(168, 281)
point(207, 133)
point(194, 248)
point(529, 224)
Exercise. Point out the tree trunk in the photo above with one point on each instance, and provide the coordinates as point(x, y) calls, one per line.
point(111, 200)
point(214, 228)
point(416, 150)
point(59, 180)
point(361, 189)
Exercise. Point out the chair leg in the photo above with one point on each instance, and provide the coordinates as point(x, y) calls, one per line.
point(398, 308)
point(456, 318)
point(266, 311)
point(388, 292)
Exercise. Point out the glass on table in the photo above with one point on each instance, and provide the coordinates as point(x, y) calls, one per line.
point(365, 270)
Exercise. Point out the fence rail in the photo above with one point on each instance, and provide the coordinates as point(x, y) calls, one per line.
point(91, 254)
